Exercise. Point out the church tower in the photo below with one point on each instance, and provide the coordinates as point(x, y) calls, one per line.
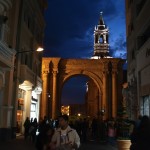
point(101, 45)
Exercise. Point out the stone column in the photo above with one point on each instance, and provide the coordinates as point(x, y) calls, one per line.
point(104, 105)
point(114, 90)
point(104, 100)
point(43, 103)
point(54, 97)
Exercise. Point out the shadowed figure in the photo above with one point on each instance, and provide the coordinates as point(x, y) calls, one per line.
point(140, 137)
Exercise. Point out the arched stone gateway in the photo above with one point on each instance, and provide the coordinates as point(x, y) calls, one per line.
point(106, 73)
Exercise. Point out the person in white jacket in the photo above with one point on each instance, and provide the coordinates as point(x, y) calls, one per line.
point(65, 138)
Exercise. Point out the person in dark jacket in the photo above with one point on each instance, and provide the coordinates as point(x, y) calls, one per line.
point(140, 137)
point(26, 127)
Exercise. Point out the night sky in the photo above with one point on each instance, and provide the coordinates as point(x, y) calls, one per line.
point(69, 34)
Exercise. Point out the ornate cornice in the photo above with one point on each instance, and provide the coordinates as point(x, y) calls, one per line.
point(5, 5)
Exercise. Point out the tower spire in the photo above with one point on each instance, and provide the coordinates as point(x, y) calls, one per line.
point(101, 45)
point(101, 21)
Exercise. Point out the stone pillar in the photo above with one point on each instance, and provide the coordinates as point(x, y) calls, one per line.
point(114, 90)
point(54, 97)
point(104, 105)
point(104, 100)
point(43, 103)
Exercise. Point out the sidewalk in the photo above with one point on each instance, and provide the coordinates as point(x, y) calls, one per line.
point(17, 144)
point(20, 144)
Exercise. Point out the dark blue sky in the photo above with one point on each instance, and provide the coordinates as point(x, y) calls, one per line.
point(70, 27)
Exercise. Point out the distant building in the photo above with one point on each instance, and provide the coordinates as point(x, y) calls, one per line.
point(74, 109)
point(77, 109)
point(138, 56)
point(65, 110)
point(21, 33)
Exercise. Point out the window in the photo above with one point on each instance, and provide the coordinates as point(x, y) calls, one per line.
point(129, 3)
point(143, 38)
point(146, 105)
point(101, 39)
point(140, 6)
point(133, 54)
point(140, 41)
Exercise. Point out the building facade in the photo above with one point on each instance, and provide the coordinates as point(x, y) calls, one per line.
point(6, 68)
point(22, 27)
point(138, 55)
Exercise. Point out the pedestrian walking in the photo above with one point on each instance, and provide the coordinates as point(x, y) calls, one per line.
point(26, 127)
point(65, 138)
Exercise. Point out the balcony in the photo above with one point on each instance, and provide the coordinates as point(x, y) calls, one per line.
point(28, 75)
point(6, 55)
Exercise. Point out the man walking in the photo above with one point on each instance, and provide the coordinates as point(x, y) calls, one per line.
point(65, 138)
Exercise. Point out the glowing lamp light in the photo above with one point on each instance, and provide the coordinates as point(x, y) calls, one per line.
point(79, 114)
point(40, 49)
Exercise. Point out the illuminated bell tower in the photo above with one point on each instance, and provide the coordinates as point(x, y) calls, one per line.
point(101, 45)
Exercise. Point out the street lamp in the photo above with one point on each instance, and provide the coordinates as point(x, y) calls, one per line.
point(39, 49)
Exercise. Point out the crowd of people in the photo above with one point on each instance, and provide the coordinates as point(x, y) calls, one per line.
point(64, 134)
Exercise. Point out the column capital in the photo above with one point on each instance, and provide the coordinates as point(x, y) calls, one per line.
point(45, 72)
point(54, 72)
point(105, 72)
point(114, 67)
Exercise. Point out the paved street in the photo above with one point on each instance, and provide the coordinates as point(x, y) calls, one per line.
point(21, 144)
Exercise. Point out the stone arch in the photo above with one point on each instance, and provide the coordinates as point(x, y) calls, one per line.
point(56, 71)
point(96, 80)
point(91, 75)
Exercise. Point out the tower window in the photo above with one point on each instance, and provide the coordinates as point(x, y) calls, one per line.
point(101, 39)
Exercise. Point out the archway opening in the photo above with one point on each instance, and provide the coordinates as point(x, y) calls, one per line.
point(74, 90)
point(80, 97)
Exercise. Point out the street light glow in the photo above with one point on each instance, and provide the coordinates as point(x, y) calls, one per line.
point(40, 49)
